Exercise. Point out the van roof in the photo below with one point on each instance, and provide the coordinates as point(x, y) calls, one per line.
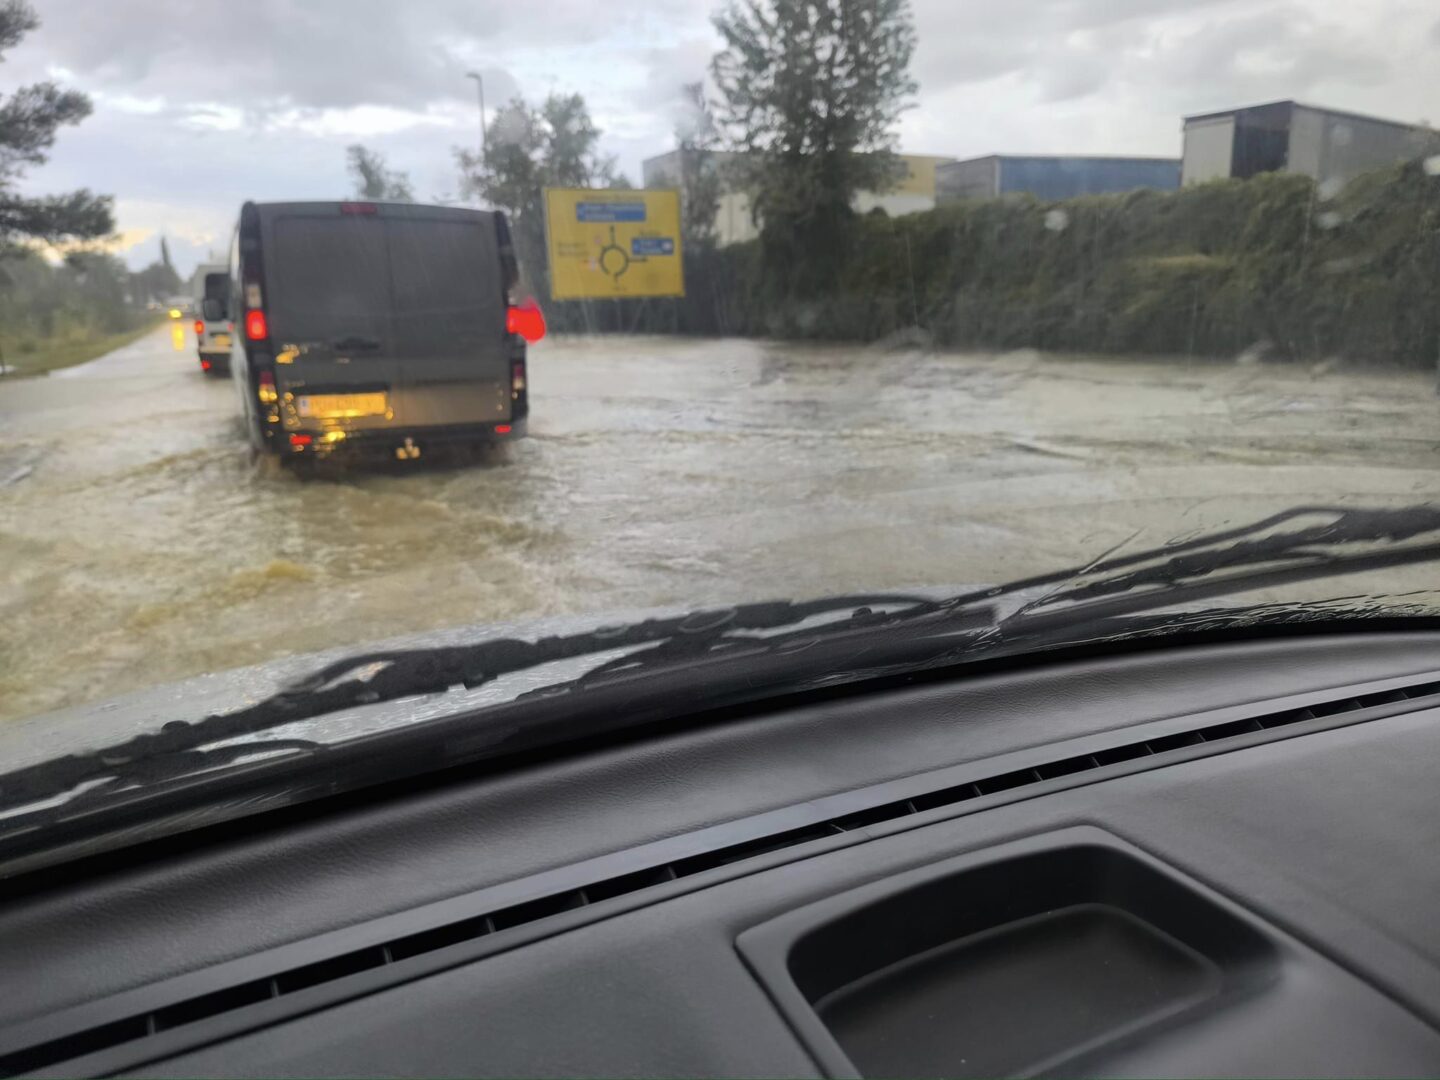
point(425, 211)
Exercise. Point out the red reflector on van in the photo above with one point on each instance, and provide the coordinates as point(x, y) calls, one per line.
point(502, 429)
point(359, 208)
point(204, 365)
point(527, 320)
point(199, 327)
point(301, 440)
point(256, 329)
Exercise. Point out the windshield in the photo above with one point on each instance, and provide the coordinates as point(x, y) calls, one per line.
point(541, 320)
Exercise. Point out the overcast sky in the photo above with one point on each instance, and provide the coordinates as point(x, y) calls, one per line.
point(200, 105)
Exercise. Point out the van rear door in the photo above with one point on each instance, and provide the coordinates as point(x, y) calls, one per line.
point(451, 347)
point(329, 307)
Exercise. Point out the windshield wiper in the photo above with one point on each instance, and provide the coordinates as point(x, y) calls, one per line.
point(1250, 557)
point(369, 678)
point(865, 635)
point(1100, 594)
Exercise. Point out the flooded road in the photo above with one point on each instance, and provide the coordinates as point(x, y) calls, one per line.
point(139, 544)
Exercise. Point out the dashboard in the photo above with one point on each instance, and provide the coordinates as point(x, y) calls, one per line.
point(1217, 860)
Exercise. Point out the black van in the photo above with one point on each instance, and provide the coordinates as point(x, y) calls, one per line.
point(376, 324)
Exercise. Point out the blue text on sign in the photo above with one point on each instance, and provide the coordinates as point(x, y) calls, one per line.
point(610, 211)
point(652, 245)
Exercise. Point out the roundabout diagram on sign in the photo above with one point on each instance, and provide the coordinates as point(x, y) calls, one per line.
point(613, 259)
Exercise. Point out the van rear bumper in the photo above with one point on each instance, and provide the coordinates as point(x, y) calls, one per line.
point(387, 440)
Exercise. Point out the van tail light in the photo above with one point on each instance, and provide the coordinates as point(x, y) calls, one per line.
point(359, 208)
point(517, 376)
point(503, 429)
point(527, 320)
point(301, 440)
point(199, 327)
point(256, 328)
point(265, 388)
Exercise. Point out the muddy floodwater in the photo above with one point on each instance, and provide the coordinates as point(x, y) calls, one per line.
point(139, 544)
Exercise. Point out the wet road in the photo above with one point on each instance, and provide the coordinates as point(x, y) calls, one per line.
point(138, 543)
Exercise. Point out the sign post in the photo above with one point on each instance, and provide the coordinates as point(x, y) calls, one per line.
point(613, 244)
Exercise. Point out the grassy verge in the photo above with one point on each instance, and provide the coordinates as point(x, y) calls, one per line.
point(32, 357)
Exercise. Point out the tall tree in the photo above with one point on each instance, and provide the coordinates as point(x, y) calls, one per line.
point(373, 180)
point(530, 149)
point(158, 281)
point(697, 138)
point(810, 92)
point(571, 153)
point(29, 119)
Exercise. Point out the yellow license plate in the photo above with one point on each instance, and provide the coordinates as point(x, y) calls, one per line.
point(333, 406)
point(221, 341)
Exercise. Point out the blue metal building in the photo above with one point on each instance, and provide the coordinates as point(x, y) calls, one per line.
point(1052, 176)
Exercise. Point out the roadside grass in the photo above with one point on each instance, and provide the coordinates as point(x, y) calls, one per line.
point(35, 356)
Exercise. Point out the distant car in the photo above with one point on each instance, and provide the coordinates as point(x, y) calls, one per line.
point(214, 331)
point(385, 325)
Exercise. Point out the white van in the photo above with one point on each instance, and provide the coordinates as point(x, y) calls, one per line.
point(213, 329)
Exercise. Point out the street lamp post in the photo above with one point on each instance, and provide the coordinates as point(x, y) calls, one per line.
point(480, 87)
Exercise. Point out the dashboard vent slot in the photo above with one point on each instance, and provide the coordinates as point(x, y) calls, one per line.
point(628, 883)
point(134, 1029)
point(442, 937)
point(734, 853)
point(338, 967)
point(198, 1008)
point(543, 908)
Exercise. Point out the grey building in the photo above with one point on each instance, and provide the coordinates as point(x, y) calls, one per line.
point(1052, 176)
point(1286, 136)
point(663, 170)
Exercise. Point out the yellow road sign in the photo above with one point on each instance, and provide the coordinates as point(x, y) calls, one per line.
point(613, 243)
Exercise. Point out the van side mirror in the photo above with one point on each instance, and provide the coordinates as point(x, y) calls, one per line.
point(212, 309)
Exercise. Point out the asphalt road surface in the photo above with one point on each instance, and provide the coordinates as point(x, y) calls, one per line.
point(139, 544)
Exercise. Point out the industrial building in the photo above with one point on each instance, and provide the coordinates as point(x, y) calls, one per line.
point(1285, 136)
point(1052, 176)
point(735, 223)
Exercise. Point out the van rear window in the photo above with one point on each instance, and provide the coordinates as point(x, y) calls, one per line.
point(329, 278)
point(445, 267)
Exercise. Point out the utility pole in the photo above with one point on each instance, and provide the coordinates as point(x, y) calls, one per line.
point(480, 87)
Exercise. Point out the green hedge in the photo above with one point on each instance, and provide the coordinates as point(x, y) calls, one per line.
point(1209, 270)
